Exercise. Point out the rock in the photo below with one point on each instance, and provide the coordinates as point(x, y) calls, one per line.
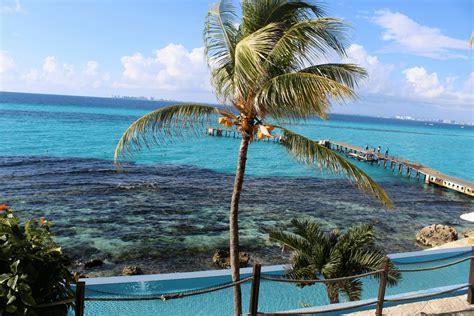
point(221, 258)
point(132, 270)
point(468, 233)
point(436, 234)
point(93, 263)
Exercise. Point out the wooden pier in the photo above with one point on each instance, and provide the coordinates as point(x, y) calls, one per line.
point(402, 166)
point(222, 132)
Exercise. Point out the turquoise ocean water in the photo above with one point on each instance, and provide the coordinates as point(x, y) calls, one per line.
point(168, 211)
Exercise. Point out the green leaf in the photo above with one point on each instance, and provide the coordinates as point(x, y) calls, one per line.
point(11, 299)
point(11, 308)
point(24, 288)
point(14, 266)
point(28, 300)
point(12, 282)
point(4, 277)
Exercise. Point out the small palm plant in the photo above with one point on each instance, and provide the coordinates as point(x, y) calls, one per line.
point(265, 67)
point(321, 255)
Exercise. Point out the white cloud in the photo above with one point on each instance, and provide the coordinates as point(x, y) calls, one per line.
point(11, 7)
point(410, 37)
point(49, 64)
point(174, 72)
point(55, 76)
point(68, 70)
point(171, 72)
point(469, 84)
point(379, 73)
point(416, 84)
point(55, 73)
point(7, 63)
point(171, 68)
point(424, 84)
point(31, 75)
point(137, 67)
point(92, 68)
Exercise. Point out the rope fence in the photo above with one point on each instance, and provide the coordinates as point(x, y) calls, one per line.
point(436, 267)
point(257, 277)
point(434, 259)
point(167, 296)
point(414, 297)
point(264, 277)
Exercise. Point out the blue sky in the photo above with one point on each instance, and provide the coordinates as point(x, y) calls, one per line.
point(417, 52)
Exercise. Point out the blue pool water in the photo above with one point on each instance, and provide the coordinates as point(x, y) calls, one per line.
point(168, 211)
point(273, 296)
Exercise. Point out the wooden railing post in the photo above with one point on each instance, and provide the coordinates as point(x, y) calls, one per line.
point(382, 286)
point(254, 291)
point(80, 292)
point(470, 291)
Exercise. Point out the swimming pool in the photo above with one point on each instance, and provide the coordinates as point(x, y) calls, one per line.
point(273, 296)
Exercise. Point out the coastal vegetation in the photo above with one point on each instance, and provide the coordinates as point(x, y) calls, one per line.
point(320, 255)
point(33, 270)
point(265, 68)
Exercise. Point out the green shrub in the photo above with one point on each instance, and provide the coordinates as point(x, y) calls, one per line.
point(33, 270)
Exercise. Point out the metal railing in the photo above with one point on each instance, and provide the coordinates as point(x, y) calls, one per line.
point(257, 277)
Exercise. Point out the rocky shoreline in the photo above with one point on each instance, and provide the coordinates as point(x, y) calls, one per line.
point(99, 266)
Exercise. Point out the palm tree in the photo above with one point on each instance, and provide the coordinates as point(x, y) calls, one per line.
point(263, 66)
point(320, 255)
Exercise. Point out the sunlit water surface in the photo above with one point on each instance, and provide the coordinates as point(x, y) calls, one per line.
point(169, 210)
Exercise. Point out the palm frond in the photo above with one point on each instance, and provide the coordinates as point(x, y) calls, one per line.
point(220, 39)
point(332, 262)
point(394, 276)
point(334, 236)
point(358, 236)
point(309, 230)
point(220, 32)
point(346, 74)
point(308, 41)
point(312, 153)
point(296, 96)
point(352, 288)
point(158, 126)
point(250, 54)
point(372, 259)
point(222, 79)
point(301, 271)
point(302, 263)
point(257, 14)
point(290, 240)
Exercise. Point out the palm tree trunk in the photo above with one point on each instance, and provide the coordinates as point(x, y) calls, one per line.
point(234, 222)
point(333, 293)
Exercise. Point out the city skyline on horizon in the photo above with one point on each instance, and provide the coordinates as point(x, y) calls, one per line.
point(157, 99)
point(419, 65)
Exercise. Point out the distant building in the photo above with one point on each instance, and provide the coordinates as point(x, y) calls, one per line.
point(125, 97)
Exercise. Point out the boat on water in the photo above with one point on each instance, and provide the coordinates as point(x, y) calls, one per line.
point(364, 157)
